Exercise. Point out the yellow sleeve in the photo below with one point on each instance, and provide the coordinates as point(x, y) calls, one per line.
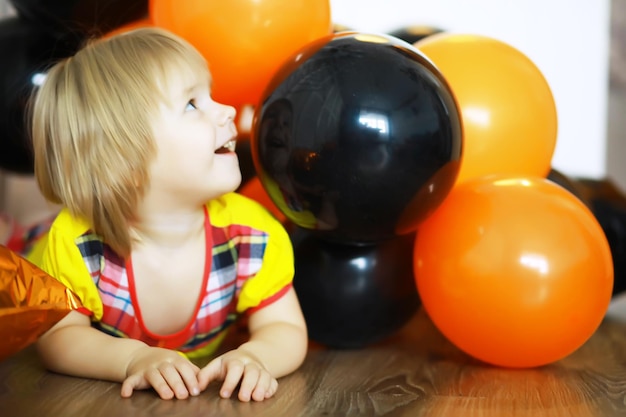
point(277, 267)
point(35, 254)
point(61, 258)
point(275, 274)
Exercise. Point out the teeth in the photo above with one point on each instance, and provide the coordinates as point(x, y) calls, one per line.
point(230, 145)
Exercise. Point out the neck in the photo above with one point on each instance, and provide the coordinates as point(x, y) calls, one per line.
point(169, 229)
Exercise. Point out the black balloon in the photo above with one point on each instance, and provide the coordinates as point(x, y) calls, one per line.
point(415, 33)
point(27, 50)
point(608, 204)
point(92, 17)
point(570, 184)
point(352, 296)
point(244, 153)
point(358, 137)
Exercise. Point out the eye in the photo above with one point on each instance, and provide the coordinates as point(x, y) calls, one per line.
point(191, 105)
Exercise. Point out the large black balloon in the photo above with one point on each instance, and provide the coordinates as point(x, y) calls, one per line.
point(27, 51)
point(92, 17)
point(358, 137)
point(244, 153)
point(350, 295)
point(608, 204)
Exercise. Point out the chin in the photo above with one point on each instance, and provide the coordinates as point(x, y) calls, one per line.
point(234, 184)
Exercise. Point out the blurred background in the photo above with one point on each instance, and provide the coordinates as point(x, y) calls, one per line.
point(580, 46)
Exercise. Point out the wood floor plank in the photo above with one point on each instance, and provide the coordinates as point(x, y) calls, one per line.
point(416, 372)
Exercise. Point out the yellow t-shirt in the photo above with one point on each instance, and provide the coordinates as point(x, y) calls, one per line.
point(250, 264)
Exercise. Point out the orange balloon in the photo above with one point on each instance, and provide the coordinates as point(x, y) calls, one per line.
point(254, 189)
point(514, 271)
point(136, 24)
point(508, 110)
point(244, 41)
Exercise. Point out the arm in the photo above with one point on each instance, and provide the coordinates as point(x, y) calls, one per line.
point(277, 346)
point(73, 347)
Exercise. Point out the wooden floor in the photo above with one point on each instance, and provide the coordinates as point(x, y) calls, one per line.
point(414, 373)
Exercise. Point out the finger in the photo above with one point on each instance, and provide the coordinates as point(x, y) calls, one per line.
point(211, 372)
point(273, 388)
point(130, 384)
point(262, 387)
point(189, 376)
point(157, 381)
point(174, 380)
point(249, 382)
point(234, 372)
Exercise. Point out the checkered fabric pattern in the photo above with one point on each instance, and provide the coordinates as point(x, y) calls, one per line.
point(237, 254)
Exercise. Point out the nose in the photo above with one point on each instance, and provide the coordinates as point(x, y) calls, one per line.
point(225, 114)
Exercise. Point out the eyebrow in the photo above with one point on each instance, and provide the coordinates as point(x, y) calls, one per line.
point(192, 85)
point(189, 90)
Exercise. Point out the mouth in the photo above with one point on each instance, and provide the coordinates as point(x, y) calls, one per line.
point(227, 147)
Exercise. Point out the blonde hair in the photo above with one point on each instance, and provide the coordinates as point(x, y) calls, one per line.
point(91, 126)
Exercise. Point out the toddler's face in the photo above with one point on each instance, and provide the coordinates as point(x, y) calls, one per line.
point(195, 139)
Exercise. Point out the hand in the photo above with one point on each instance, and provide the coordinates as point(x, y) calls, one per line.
point(235, 366)
point(170, 374)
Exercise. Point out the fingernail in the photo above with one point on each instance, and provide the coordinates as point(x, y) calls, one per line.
point(225, 394)
point(195, 392)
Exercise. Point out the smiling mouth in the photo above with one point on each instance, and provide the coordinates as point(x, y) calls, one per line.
point(227, 147)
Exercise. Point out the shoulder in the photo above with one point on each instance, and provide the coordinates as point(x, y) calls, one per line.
point(68, 226)
point(234, 208)
point(63, 246)
point(64, 239)
point(64, 257)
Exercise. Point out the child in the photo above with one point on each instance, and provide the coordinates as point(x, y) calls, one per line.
point(152, 238)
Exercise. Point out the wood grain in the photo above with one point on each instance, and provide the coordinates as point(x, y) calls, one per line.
point(414, 373)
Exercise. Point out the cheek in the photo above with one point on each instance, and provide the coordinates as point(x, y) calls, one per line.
point(185, 142)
